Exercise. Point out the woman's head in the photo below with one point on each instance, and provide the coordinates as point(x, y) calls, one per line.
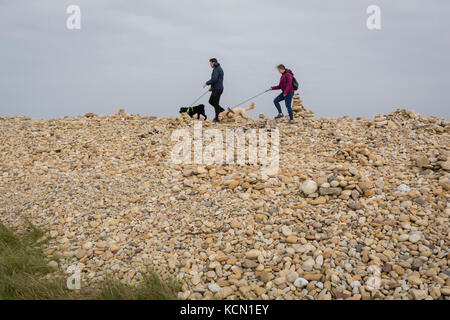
point(281, 68)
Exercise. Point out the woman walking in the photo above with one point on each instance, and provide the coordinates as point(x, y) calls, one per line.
point(287, 93)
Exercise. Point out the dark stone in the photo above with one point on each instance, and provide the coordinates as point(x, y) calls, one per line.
point(420, 201)
point(417, 264)
point(341, 295)
point(355, 194)
point(249, 263)
point(387, 267)
point(354, 205)
point(394, 285)
point(330, 191)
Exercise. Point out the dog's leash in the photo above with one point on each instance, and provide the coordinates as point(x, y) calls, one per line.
point(259, 94)
point(190, 106)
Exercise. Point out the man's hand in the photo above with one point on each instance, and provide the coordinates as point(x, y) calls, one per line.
point(205, 85)
point(270, 89)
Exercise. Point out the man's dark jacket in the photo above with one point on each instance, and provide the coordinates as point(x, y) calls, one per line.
point(216, 81)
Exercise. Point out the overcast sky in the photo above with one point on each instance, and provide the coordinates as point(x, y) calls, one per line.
point(151, 57)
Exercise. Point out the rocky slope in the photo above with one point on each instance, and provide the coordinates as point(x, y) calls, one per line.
point(358, 210)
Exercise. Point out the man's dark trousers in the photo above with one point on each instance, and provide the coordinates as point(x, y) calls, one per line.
point(214, 101)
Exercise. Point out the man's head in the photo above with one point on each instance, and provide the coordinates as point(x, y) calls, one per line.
point(212, 62)
point(281, 68)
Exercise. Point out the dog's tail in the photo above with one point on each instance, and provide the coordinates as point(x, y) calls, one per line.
point(252, 106)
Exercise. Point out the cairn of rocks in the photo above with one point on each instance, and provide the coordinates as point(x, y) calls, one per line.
point(299, 109)
point(358, 210)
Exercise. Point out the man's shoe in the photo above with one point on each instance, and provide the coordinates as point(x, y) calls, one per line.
point(291, 122)
point(216, 121)
point(280, 115)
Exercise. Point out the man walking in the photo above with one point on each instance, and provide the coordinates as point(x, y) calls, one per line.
point(216, 84)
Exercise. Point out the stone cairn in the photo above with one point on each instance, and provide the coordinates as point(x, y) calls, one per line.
point(299, 109)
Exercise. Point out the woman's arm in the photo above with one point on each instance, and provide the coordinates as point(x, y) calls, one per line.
point(289, 80)
point(278, 87)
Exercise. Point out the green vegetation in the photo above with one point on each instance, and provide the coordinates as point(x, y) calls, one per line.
point(25, 275)
point(150, 288)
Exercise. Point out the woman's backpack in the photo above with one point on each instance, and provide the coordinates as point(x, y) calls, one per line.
point(295, 83)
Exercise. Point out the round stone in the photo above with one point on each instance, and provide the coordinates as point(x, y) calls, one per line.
point(300, 283)
point(292, 276)
point(415, 237)
point(253, 254)
point(213, 287)
point(309, 187)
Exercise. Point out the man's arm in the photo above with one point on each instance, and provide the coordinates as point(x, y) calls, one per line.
point(214, 78)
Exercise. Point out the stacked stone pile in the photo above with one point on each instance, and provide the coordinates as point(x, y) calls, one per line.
point(299, 109)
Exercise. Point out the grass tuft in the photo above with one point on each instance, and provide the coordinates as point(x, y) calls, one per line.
point(25, 275)
point(150, 288)
point(23, 267)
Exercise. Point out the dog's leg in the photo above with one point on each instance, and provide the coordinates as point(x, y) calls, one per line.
point(243, 114)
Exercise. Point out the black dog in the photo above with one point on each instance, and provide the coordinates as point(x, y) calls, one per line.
point(199, 110)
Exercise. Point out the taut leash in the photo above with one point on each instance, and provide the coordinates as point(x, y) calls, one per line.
point(198, 98)
point(259, 94)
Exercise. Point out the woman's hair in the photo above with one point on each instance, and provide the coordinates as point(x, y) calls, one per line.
point(213, 60)
point(281, 67)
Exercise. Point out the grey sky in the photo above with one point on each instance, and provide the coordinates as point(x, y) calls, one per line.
point(151, 57)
